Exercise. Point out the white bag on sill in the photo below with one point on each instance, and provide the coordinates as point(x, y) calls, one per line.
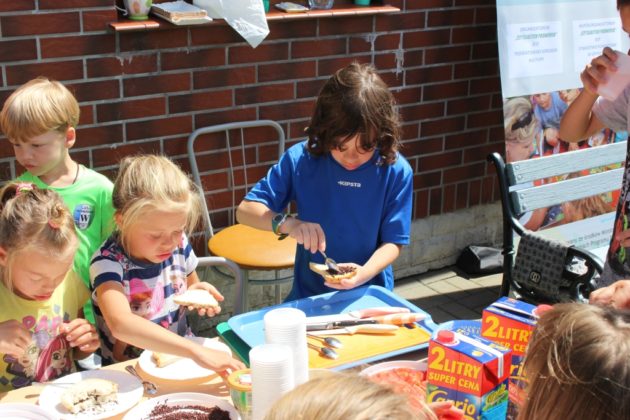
point(247, 17)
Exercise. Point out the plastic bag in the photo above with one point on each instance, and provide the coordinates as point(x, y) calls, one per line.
point(480, 260)
point(247, 17)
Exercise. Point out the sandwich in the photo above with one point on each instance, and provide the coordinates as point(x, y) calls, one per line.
point(196, 298)
point(164, 359)
point(89, 395)
point(345, 272)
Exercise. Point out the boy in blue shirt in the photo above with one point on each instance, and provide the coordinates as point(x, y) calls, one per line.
point(351, 186)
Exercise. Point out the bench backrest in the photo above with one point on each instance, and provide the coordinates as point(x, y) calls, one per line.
point(534, 197)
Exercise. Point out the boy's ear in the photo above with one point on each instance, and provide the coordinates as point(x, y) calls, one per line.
point(118, 219)
point(4, 256)
point(71, 136)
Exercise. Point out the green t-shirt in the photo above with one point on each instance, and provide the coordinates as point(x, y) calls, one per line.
point(90, 202)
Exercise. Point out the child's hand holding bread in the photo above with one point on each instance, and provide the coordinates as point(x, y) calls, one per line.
point(202, 297)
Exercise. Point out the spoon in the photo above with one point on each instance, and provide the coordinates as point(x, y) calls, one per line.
point(149, 387)
point(324, 351)
point(331, 264)
point(330, 341)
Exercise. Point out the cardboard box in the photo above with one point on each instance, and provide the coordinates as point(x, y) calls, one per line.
point(471, 371)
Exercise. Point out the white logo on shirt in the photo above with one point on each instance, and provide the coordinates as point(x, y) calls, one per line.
point(349, 184)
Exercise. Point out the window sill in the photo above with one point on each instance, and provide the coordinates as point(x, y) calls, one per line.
point(154, 23)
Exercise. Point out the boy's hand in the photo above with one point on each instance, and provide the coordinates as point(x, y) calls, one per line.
point(445, 410)
point(350, 283)
point(595, 72)
point(82, 335)
point(210, 310)
point(310, 235)
point(216, 360)
point(617, 295)
point(14, 338)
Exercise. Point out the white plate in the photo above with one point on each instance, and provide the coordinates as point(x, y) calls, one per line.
point(129, 393)
point(19, 411)
point(182, 369)
point(143, 410)
point(381, 367)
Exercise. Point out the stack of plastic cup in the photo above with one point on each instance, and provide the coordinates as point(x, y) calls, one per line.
point(288, 326)
point(272, 376)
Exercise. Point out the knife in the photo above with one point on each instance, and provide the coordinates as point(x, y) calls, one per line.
point(364, 328)
point(399, 319)
point(337, 324)
point(357, 314)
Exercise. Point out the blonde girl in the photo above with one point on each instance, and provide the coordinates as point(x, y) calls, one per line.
point(577, 364)
point(40, 296)
point(155, 205)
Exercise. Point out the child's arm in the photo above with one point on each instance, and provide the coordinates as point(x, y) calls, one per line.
point(617, 295)
point(14, 338)
point(381, 258)
point(578, 122)
point(137, 331)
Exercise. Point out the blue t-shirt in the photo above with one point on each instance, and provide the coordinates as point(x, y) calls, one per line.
point(358, 210)
point(149, 287)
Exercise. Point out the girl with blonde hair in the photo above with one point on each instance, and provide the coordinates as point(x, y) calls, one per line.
point(41, 297)
point(522, 131)
point(577, 364)
point(156, 205)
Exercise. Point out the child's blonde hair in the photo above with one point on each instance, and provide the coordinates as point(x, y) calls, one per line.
point(150, 182)
point(343, 396)
point(520, 122)
point(38, 106)
point(577, 364)
point(35, 218)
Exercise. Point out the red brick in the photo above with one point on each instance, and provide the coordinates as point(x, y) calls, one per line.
point(489, 192)
point(476, 69)
point(486, 15)
point(230, 115)
point(430, 38)
point(63, 70)
point(97, 20)
point(214, 35)
point(176, 146)
point(296, 129)
point(484, 119)
point(5, 171)
point(111, 156)
point(87, 115)
point(286, 71)
point(421, 204)
point(129, 109)
point(96, 90)
point(435, 201)
point(424, 146)
point(463, 172)
point(429, 74)
point(99, 135)
point(345, 26)
point(387, 42)
point(264, 93)
point(158, 128)
point(449, 198)
point(482, 51)
point(359, 44)
point(413, 58)
point(445, 90)
point(486, 85)
point(122, 65)
point(451, 17)
point(442, 126)
point(427, 180)
point(400, 21)
point(477, 154)
point(264, 52)
point(465, 105)
point(232, 76)
point(389, 61)
point(17, 5)
point(292, 29)
point(447, 54)
point(17, 50)
point(428, 4)
point(327, 67)
point(281, 112)
point(39, 24)
point(474, 191)
point(192, 59)
point(77, 45)
point(468, 139)
point(309, 88)
point(159, 84)
point(422, 111)
point(198, 101)
point(448, 159)
point(474, 34)
point(318, 48)
point(408, 95)
point(152, 40)
point(461, 197)
point(73, 4)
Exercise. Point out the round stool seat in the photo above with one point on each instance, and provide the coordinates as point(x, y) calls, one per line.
point(252, 248)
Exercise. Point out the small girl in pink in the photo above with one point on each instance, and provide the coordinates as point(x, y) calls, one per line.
point(41, 298)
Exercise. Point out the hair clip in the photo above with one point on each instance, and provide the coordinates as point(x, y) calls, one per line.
point(523, 121)
point(23, 187)
point(53, 225)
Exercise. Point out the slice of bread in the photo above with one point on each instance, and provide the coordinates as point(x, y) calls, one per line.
point(197, 298)
point(164, 359)
point(322, 269)
point(89, 395)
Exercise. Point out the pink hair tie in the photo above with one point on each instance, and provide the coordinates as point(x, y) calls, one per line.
point(23, 187)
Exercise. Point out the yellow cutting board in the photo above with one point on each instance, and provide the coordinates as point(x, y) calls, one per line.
point(364, 346)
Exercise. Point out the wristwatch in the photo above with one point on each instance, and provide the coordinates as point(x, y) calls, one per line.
point(277, 221)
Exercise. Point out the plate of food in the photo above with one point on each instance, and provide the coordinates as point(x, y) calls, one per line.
point(168, 366)
point(20, 411)
point(184, 405)
point(406, 377)
point(93, 394)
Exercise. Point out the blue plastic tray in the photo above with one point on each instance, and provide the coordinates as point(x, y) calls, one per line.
point(249, 326)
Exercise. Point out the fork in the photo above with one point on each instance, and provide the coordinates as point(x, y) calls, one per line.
point(149, 387)
point(331, 264)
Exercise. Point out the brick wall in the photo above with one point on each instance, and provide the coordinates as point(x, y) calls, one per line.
point(147, 91)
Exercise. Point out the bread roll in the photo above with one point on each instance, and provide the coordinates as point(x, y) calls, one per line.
point(197, 298)
point(322, 269)
point(89, 395)
point(164, 359)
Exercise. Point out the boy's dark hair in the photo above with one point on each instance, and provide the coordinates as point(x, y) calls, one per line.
point(622, 3)
point(355, 100)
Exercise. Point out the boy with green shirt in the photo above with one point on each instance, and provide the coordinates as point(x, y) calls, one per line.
point(40, 120)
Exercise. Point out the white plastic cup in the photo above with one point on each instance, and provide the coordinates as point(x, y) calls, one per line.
point(288, 326)
point(272, 376)
point(618, 80)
